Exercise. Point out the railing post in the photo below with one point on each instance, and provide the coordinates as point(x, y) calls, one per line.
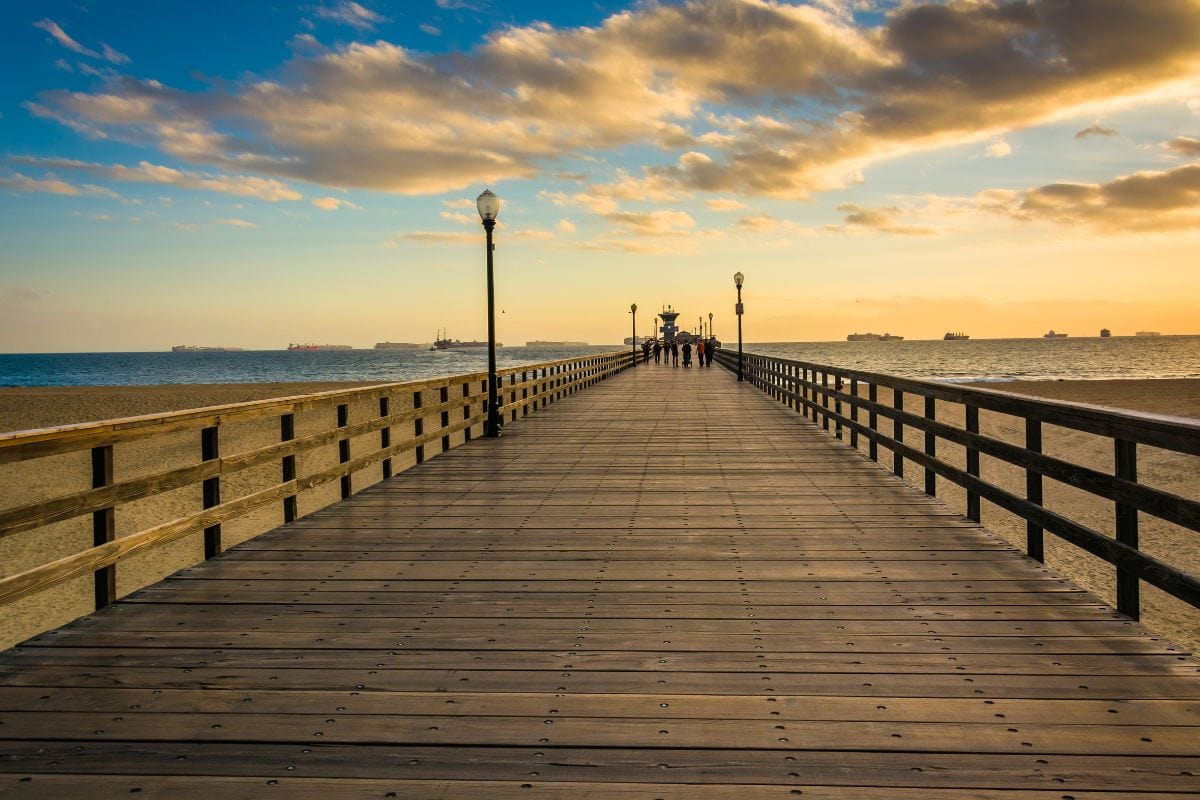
point(525, 393)
point(512, 395)
point(466, 393)
point(1128, 591)
point(343, 420)
point(804, 390)
point(444, 417)
point(287, 432)
point(930, 447)
point(973, 510)
point(824, 400)
point(210, 451)
point(873, 422)
point(897, 434)
point(385, 435)
point(854, 413)
point(104, 526)
point(418, 425)
point(837, 408)
point(1033, 491)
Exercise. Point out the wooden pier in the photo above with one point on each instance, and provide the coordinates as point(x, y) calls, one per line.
point(667, 586)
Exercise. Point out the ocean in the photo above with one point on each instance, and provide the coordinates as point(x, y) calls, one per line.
point(958, 361)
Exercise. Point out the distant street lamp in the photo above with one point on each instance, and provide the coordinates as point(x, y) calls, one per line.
point(633, 311)
point(737, 281)
point(710, 332)
point(489, 206)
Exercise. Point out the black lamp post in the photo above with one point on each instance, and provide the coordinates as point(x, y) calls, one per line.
point(633, 311)
point(710, 333)
point(737, 281)
point(489, 206)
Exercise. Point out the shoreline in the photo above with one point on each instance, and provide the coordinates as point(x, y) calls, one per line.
point(29, 407)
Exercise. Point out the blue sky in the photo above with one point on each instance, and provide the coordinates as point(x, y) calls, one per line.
point(250, 174)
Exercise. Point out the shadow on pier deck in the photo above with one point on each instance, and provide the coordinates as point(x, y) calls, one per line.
point(667, 587)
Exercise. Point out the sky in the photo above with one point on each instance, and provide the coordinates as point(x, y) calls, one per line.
point(254, 174)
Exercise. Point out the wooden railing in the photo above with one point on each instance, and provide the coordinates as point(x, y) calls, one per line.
point(405, 417)
point(825, 394)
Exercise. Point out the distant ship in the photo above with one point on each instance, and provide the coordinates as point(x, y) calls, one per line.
point(544, 343)
point(396, 346)
point(873, 337)
point(297, 346)
point(444, 343)
point(1052, 335)
point(953, 337)
point(1105, 333)
point(1147, 333)
point(191, 348)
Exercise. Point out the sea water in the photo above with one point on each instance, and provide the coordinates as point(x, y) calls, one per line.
point(955, 361)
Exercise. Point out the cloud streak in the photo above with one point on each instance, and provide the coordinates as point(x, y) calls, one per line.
point(1144, 202)
point(145, 172)
point(59, 35)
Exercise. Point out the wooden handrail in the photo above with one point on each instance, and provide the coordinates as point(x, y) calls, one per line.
point(538, 384)
point(807, 387)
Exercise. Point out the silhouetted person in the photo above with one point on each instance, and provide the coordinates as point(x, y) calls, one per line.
point(687, 354)
point(657, 351)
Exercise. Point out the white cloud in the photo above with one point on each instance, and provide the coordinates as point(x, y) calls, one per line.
point(236, 223)
point(113, 56)
point(350, 13)
point(724, 204)
point(59, 35)
point(51, 184)
point(267, 189)
point(333, 203)
point(999, 149)
point(566, 226)
point(51, 27)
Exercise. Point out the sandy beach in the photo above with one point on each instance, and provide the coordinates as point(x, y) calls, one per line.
point(25, 408)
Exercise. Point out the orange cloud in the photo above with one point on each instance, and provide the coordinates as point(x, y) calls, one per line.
point(1141, 202)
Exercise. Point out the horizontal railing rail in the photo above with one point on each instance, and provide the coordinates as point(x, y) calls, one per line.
point(825, 394)
point(458, 404)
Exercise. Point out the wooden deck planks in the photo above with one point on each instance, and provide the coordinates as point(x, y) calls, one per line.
point(667, 586)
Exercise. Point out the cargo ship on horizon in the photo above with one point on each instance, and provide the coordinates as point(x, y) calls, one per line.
point(445, 343)
point(873, 337)
point(309, 346)
point(191, 348)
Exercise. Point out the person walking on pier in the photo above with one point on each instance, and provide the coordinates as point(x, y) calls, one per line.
point(674, 353)
point(708, 351)
point(657, 351)
point(699, 352)
point(687, 354)
point(645, 351)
